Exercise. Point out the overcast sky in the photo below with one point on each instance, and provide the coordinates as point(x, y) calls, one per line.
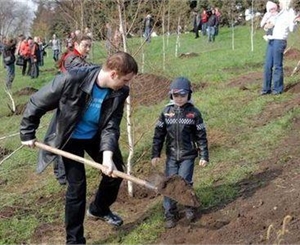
point(29, 3)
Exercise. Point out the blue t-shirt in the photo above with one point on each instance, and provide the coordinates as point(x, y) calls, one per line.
point(88, 125)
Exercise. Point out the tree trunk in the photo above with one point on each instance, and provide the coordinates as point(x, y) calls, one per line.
point(128, 101)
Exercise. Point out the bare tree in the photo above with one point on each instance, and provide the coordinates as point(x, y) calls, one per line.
point(14, 18)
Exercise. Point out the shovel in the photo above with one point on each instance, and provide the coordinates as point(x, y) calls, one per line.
point(174, 187)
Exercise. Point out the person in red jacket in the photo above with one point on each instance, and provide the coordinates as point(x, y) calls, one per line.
point(76, 57)
point(204, 19)
point(71, 58)
point(25, 52)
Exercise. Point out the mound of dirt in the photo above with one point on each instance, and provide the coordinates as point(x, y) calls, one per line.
point(292, 54)
point(26, 91)
point(293, 88)
point(178, 189)
point(149, 89)
point(188, 55)
point(246, 79)
point(4, 152)
point(275, 110)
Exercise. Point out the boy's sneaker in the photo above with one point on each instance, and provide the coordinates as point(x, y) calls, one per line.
point(170, 223)
point(109, 218)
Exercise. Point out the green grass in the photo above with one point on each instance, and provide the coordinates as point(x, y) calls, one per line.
point(227, 110)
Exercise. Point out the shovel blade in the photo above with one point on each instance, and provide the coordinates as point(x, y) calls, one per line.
point(176, 188)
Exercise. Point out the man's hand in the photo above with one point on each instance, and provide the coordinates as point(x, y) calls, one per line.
point(108, 163)
point(203, 163)
point(29, 143)
point(155, 161)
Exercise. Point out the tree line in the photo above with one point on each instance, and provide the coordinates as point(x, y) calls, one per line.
point(63, 16)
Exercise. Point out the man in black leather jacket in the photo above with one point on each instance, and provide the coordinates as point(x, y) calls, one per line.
point(181, 127)
point(89, 102)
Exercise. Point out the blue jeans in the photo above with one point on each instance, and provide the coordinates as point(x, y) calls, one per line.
point(10, 75)
point(203, 28)
point(185, 169)
point(147, 34)
point(211, 33)
point(56, 55)
point(273, 70)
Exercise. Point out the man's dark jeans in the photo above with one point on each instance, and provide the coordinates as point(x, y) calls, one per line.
point(76, 191)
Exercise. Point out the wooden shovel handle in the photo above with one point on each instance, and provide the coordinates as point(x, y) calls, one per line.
point(94, 165)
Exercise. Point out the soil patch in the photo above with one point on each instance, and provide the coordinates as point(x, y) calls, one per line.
point(246, 79)
point(4, 152)
point(149, 89)
point(188, 55)
point(178, 189)
point(293, 88)
point(292, 54)
point(26, 91)
point(275, 110)
point(19, 109)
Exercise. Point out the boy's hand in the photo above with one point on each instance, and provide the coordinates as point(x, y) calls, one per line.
point(203, 163)
point(155, 161)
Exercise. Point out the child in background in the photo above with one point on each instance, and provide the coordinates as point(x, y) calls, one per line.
point(181, 127)
point(268, 20)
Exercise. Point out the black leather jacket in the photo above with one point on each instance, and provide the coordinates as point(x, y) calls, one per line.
point(183, 131)
point(70, 94)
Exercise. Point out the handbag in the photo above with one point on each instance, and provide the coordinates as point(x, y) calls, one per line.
point(20, 61)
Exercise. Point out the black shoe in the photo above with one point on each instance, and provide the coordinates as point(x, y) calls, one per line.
point(110, 218)
point(264, 93)
point(170, 223)
point(62, 181)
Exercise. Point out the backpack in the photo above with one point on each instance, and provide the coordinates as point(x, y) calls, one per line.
point(8, 56)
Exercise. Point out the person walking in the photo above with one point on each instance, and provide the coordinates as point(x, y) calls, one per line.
point(181, 127)
point(196, 23)
point(211, 25)
point(273, 68)
point(9, 59)
point(56, 47)
point(148, 26)
point(89, 104)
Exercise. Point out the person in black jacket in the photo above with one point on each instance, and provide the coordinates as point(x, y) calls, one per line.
point(181, 127)
point(9, 59)
point(89, 104)
point(211, 25)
